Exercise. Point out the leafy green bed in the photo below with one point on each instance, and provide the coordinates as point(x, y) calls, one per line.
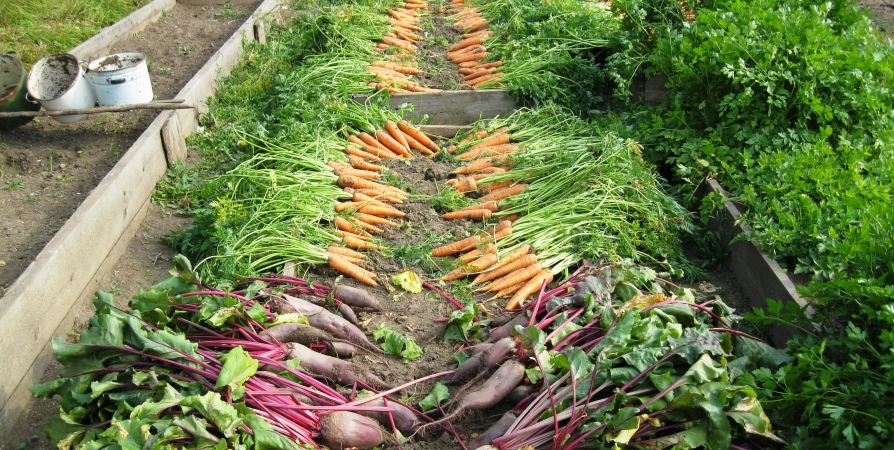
point(789, 104)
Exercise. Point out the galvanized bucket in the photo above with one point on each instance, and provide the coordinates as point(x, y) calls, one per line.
point(13, 95)
point(59, 83)
point(121, 79)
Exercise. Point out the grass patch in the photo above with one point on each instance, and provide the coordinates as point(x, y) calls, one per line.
point(36, 28)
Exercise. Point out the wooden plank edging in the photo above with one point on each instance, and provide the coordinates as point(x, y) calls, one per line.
point(759, 276)
point(62, 277)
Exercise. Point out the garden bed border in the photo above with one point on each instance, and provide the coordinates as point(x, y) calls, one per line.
point(45, 299)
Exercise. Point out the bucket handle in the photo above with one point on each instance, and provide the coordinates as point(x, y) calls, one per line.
point(118, 81)
point(30, 99)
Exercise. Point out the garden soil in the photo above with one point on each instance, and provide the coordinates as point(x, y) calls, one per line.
point(47, 169)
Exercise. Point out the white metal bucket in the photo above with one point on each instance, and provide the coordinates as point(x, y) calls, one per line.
point(121, 79)
point(58, 83)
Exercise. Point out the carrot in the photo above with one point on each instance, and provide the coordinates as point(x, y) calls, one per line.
point(490, 206)
point(343, 224)
point(334, 249)
point(475, 253)
point(365, 226)
point(478, 33)
point(472, 214)
point(375, 209)
point(360, 244)
point(412, 87)
point(398, 135)
point(511, 217)
point(372, 142)
point(516, 276)
point(508, 291)
point(378, 195)
point(483, 79)
point(458, 246)
point(350, 269)
point(490, 65)
point(498, 272)
point(495, 138)
point(370, 219)
point(385, 138)
point(398, 42)
point(487, 188)
point(465, 184)
point(363, 198)
point(453, 56)
point(418, 135)
point(470, 57)
point(505, 192)
point(534, 284)
point(346, 258)
point(344, 234)
point(364, 174)
point(468, 64)
point(358, 163)
point(491, 170)
point(360, 183)
point(474, 166)
point(485, 261)
point(371, 149)
point(477, 40)
point(361, 154)
point(502, 149)
point(416, 144)
point(477, 73)
point(513, 255)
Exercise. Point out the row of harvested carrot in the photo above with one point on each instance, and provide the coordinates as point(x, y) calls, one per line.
point(517, 274)
point(372, 202)
point(469, 53)
point(488, 157)
point(393, 73)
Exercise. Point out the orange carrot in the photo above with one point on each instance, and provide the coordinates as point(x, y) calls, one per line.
point(412, 87)
point(505, 192)
point(365, 174)
point(398, 42)
point(346, 258)
point(459, 246)
point(470, 57)
point(472, 214)
point(343, 224)
point(392, 144)
point(374, 209)
point(477, 252)
point(475, 153)
point(513, 255)
point(495, 138)
point(483, 79)
point(372, 142)
point(477, 40)
point(398, 135)
point(477, 73)
point(378, 195)
point(475, 266)
point(371, 149)
point(511, 217)
point(416, 144)
point(532, 286)
point(348, 234)
point(361, 154)
point(490, 206)
point(495, 273)
point(350, 269)
point(360, 197)
point(487, 188)
point(360, 183)
point(478, 33)
point(334, 249)
point(465, 184)
point(360, 244)
point(358, 163)
point(474, 166)
point(375, 220)
point(418, 135)
point(491, 170)
point(514, 277)
point(370, 228)
point(508, 291)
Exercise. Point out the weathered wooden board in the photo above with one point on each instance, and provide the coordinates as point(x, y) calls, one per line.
point(38, 305)
point(453, 107)
point(99, 44)
point(172, 139)
point(759, 276)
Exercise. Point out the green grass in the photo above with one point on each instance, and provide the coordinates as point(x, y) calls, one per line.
point(36, 28)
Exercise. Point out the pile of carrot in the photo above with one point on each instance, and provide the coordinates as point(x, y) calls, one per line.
point(469, 53)
point(399, 44)
point(487, 152)
point(372, 202)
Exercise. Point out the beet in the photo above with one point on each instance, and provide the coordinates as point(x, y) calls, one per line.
point(346, 429)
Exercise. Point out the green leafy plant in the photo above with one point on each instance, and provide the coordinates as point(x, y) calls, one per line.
point(397, 344)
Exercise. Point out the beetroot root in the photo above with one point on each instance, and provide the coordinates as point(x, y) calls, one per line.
point(333, 368)
point(346, 429)
point(494, 389)
point(496, 430)
point(356, 297)
point(404, 418)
